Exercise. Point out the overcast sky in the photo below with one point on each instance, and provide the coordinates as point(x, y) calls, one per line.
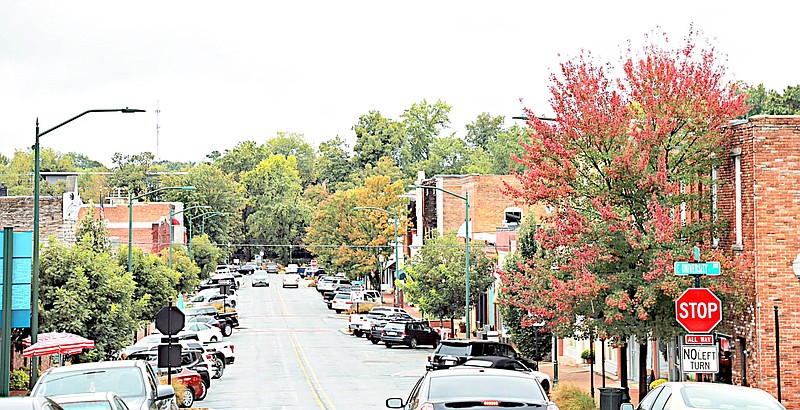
point(228, 71)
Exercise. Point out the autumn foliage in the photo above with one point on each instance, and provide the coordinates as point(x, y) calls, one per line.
point(627, 166)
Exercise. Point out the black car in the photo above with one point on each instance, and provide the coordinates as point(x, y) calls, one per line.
point(379, 320)
point(453, 352)
point(475, 389)
point(411, 334)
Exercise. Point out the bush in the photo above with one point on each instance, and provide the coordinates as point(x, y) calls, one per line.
point(363, 307)
point(657, 383)
point(570, 397)
point(587, 355)
point(20, 380)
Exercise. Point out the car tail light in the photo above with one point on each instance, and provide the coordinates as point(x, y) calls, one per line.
point(426, 406)
point(231, 348)
point(404, 333)
point(491, 403)
point(383, 332)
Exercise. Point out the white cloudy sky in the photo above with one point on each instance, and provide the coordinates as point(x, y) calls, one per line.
point(229, 71)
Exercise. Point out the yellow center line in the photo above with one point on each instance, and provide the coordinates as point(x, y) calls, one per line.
point(306, 366)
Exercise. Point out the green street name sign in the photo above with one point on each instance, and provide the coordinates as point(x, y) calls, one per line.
point(697, 268)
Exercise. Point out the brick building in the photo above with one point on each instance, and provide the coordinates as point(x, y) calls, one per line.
point(759, 194)
point(150, 224)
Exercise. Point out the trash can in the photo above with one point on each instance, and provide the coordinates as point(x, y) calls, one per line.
point(611, 398)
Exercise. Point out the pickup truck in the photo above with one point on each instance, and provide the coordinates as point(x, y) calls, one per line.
point(361, 324)
point(221, 353)
point(231, 318)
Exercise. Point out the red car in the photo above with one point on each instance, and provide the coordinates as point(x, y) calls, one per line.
point(191, 380)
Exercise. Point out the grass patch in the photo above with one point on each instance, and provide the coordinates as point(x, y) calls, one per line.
point(570, 397)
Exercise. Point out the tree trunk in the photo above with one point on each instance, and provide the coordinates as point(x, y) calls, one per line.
point(642, 370)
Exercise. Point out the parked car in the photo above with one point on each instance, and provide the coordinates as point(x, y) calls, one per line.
point(209, 320)
point(89, 401)
point(194, 388)
point(134, 380)
point(272, 267)
point(360, 323)
point(345, 300)
point(231, 318)
point(502, 362)
point(475, 389)
point(328, 295)
point(329, 283)
point(291, 280)
point(411, 334)
point(452, 352)
point(192, 358)
point(28, 403)
point(205, 333)
point(260, 278)
point(374, 334)
point(211, 297)
point(680, 396)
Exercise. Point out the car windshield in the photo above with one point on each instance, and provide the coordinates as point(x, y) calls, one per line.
point(260, 274)
point(86, 405)
point(342, 295)
point(716, 397)
point(485, 386)
point(125, 381)
point(455, 350)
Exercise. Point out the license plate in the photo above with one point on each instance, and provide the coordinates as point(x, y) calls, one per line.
point(449, 363)
point(391, 333)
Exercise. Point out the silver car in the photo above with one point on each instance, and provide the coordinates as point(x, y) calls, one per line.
point(260, 278)
point(705, 396)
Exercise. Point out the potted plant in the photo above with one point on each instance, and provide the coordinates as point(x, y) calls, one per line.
point(19, 382)
point(587, 356)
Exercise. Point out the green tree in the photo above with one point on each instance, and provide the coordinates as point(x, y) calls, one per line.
point(333, 163)
point(205, 254)
point(130, 171)
point(81, 161)
point(290, 144)
point(156, 284)
point(377, 137)
point(186, 271)
point(423, 122)
point(93, 233)
point(484, 129)
point(87, 293)
point(276, 210)
point(18, 176)
point(770, 102)
point(436, 279)
point(245, 156)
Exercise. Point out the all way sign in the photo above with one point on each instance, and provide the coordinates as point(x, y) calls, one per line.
point(699, 359)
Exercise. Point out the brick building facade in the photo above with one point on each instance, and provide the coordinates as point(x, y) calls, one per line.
point(759, 196)
point(150, 224)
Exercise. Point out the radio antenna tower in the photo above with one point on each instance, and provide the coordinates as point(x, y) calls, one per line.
point(158, 128)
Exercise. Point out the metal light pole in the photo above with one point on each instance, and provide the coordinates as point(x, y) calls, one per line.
point(130, 216)
point(172, 215)
point(465, 198)
point(35, 279)
point(396, 244)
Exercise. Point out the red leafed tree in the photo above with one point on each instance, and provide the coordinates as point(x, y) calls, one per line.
point(627, 166)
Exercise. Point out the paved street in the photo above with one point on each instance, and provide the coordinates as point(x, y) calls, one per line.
point(291, 354)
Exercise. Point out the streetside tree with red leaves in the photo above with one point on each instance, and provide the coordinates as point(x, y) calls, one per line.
point(625, 159)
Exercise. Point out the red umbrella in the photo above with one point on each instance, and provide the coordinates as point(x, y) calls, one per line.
point(53, 343)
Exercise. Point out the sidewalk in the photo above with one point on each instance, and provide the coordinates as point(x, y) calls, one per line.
point(578, 374)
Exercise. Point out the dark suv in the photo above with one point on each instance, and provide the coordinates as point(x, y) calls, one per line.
point(453, 352)
point(409, 333)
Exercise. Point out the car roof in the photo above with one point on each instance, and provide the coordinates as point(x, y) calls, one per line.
point(470, 342)
point(97, 365)
point(478, 371)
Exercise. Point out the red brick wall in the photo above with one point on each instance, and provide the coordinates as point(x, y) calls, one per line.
point(770, 163)
point(144, 214)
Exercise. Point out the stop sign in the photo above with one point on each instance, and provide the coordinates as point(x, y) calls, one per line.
point(170, 320)
point(698, 310)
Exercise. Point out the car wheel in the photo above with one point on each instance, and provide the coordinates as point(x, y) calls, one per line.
point(374, 341)
point(220, 364)
point(205, 392)
point(413, 343)
point(187, 398)
point(388, 345)
point(357, 333)
point(338, 310)
point(233, 304)
point(227, 329)
point(213, 338)
point(435, 344)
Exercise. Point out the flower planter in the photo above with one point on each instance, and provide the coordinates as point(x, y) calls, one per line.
point(18, 393)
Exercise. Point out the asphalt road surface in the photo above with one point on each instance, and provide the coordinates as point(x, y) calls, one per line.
point(291, 353)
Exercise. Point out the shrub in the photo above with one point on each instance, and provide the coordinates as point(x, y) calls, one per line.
point(20, 380)
point(569, 397)
point(657, 383)
point(587, 354)
point(363, 307)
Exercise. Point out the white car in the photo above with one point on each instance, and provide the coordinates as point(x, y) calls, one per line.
point(209, 297)
point(204, 332)
point(291, 268)
point(291, 280)
point(343, 301)
point(260, 278)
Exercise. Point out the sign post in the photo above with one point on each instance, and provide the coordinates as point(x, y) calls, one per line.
point(169, 321)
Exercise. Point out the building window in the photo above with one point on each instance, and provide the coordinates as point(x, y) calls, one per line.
point(737, 177)
point(512, 216)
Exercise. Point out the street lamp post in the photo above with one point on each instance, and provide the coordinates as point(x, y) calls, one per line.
point(172, 215)
point(130, 216)
point(191, 224)
point(396, 247)
point(36, 187)
point(465, 198)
